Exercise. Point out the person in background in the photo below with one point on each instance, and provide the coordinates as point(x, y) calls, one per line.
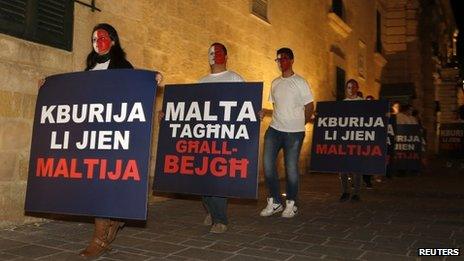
point(351, 94)
point(404, 116)
point(391, 130)
point(395, 107)
point(367, 178)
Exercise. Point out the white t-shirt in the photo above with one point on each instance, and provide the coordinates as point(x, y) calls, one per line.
point(354, 99)
point(402, 118)
point(101, 66)
point(225, 76)
point(289, 96)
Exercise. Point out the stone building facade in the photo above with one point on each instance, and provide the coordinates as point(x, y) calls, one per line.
point(420, 47)
point(333, 41)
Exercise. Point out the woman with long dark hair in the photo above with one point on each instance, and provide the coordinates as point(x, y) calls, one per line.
point(106, 54)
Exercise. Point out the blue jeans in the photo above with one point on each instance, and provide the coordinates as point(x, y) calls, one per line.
point(290, 142)
point(217, 207)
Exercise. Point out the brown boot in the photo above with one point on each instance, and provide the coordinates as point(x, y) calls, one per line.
point(113, 230)
point(99, 243)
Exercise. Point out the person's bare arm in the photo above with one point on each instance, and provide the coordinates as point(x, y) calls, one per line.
point(160, 116)
point(159, 79)
point(40, 83)
point(309, 110)
point(261, 114)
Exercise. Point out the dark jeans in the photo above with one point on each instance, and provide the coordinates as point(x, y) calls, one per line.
point(367, 179)
point(390, 171)
point(217, 207)
point(290, 142)
point(356, 182)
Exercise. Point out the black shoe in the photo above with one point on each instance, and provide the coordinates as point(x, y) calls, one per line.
point(355, 198)
point(344, 197)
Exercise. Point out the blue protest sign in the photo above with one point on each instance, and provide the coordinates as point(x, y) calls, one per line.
point(91, 142)
point(452, 140)
point(408, 147)
point(350, 137)
point(391, 136)
point(209, 140)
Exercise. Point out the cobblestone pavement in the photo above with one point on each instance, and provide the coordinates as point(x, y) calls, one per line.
point(391, 222)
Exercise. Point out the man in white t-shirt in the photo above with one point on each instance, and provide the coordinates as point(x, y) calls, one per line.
point(217, 206)
point(292, 100)
point(217, 57)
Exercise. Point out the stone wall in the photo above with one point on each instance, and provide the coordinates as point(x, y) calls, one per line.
point(22, 64)
point(420, 55)
point(173, 36)
point(448, 94)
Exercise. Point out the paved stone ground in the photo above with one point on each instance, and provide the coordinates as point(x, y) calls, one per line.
point(390, 223)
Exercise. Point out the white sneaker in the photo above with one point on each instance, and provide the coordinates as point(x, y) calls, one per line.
point(271, 208)
point(290, 209)
point(208, 220)
point(218, 228)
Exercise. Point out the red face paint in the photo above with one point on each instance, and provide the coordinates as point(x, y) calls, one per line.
point(101, 41)
point(216, 55)
point(284, 62)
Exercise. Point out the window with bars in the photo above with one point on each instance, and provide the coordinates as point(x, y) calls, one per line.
point(259, 8)
point(48, 22)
